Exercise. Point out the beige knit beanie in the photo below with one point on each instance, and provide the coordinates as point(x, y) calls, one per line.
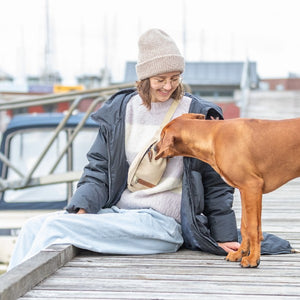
point(158, 54)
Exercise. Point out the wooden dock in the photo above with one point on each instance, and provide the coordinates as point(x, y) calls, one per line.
point(64, 272)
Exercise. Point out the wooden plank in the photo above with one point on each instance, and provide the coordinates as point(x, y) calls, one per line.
point(183, 273)
point(172, 261)
point(24, 277)
point(275, 275)
point(67, 295)
point(205, 285)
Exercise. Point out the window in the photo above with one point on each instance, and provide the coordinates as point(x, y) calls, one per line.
point(25, 148)
point(279, 87)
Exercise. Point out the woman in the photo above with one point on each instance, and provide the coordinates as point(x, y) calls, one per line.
point(190, 205)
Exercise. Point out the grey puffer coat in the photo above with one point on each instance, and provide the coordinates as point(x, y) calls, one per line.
point(206, 208)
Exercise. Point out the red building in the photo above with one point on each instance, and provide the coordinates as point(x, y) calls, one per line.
point(281, 84)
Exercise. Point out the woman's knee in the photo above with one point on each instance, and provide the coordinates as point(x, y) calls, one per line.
point(34, 222)
point(38, 221)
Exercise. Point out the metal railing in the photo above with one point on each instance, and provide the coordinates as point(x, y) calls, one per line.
point(57, 98)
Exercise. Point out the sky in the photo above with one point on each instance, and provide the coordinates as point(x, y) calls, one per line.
point(87, 35)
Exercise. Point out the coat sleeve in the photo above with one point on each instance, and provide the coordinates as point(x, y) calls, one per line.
point(92, 188)
point(218, 200)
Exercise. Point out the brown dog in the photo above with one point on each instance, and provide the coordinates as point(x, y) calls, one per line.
point(255, 156)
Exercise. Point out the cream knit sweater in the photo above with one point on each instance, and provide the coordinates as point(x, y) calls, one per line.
point(141, 125)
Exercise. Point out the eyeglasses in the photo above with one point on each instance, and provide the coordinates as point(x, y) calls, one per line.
point(161, 82)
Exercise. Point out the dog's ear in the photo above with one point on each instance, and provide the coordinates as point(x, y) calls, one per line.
point(193, 116)
point(164, 147)
point(200, 117)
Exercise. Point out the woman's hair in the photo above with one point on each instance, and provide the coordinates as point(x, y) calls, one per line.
point(143, 88)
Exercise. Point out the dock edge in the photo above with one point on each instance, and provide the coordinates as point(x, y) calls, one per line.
point(19, 280)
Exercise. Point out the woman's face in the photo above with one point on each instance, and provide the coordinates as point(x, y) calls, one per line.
point(163, 85)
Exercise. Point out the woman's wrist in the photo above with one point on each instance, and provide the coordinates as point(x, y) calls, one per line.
point(81, 211)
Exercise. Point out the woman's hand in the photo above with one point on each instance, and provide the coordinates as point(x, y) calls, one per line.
point(81, 211)
point(229, 246)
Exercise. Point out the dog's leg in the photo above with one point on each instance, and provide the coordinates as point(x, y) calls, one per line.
point(249, 251)
point(245, 244)
point(252, 199)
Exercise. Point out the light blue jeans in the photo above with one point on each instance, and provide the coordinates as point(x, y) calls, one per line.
point(112, 230)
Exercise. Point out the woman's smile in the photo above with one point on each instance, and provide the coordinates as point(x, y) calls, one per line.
point(162, 86)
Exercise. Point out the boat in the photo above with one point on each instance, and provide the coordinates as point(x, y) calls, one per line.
point(42, 156)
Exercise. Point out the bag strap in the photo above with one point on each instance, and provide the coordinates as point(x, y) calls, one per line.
point(169, 114)
point(167, 118)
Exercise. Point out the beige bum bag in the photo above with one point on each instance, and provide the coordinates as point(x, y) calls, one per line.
point(146, 172)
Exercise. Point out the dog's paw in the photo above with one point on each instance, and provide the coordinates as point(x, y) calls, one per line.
point(234, 256)
point(248, 262)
